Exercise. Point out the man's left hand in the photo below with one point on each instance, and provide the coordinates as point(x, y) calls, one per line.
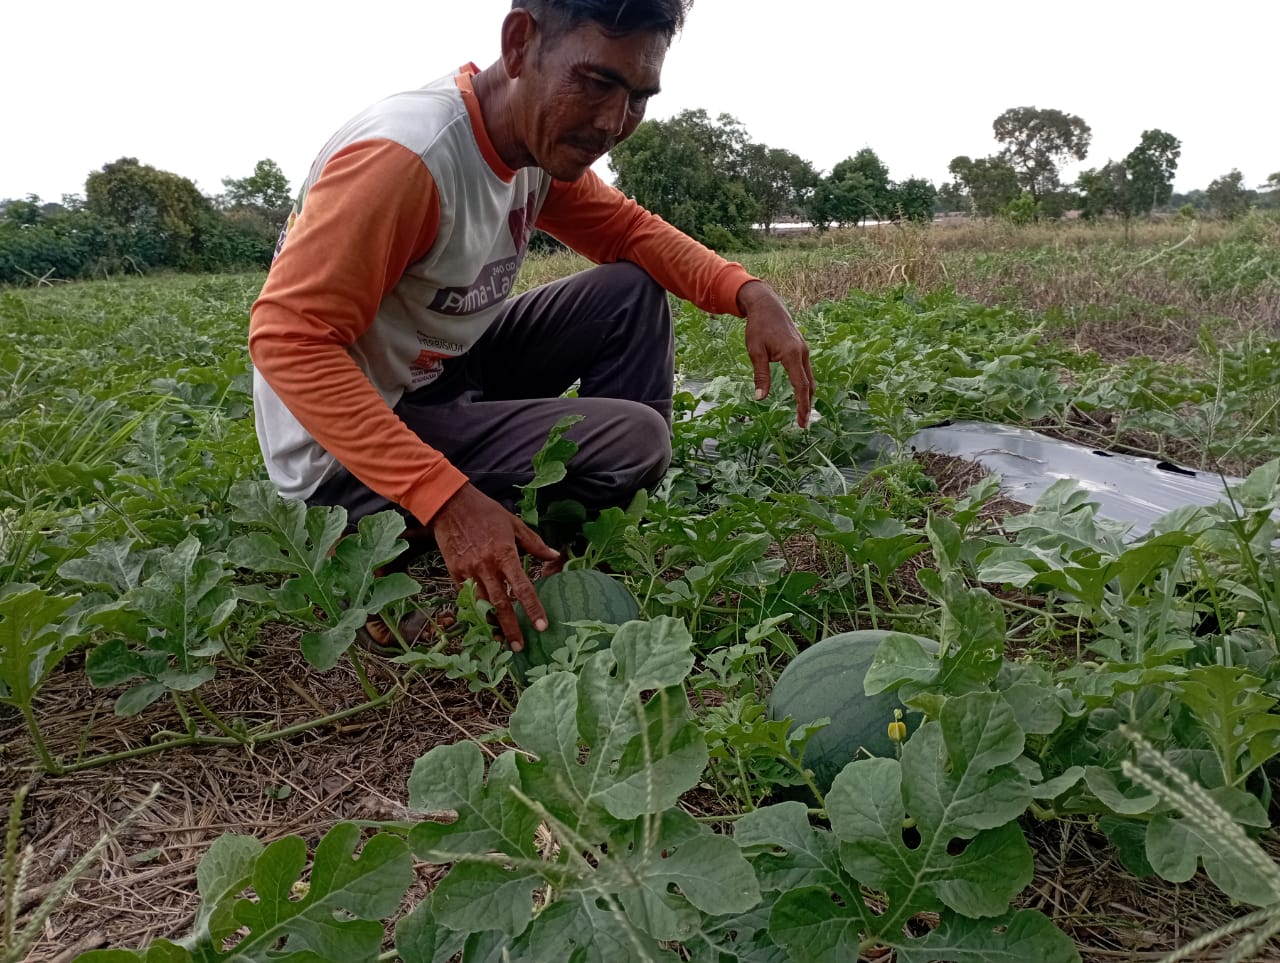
point(773, 336)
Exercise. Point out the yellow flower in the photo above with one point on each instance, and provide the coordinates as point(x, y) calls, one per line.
point(897, 728)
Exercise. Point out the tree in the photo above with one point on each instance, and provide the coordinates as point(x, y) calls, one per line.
point(863, 184)
point(163, 214)
point(1103, 188)
point(266, 188)
point(1269, 191)
point(1228, 196)
point(952, 198)
point(779, 181)
point(1151, 166)
point(1134, 186)
point(26, 213)
point(1036, 141)
point(913, 199)
point(689, 170)
point(990, 182)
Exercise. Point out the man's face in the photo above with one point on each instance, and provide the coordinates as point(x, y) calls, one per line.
point(584, 93)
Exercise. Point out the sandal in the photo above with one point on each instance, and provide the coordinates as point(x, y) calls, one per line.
point(377, 637)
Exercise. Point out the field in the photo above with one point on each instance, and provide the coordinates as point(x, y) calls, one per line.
point(1090, 776)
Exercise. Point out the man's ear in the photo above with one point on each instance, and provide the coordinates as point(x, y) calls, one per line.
point(519, 37)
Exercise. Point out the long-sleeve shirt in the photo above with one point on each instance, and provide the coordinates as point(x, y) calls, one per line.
point(405, 241)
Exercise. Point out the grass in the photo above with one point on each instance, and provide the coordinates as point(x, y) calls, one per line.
point(1148, 292)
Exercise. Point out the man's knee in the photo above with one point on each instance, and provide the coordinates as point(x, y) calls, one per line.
point(649, 448)
point(631, 453)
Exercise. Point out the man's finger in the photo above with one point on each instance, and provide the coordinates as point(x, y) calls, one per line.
point(507, 620)
point(802, 386)
point(760, 367)
point(525, 594)
point(532, 543)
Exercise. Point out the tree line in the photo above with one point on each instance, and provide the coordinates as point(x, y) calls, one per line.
point(134, 218)
point(704, 175)
point(711, 180)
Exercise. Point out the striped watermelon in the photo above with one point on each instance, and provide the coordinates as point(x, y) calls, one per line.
point(575, 595)
point(825, 681)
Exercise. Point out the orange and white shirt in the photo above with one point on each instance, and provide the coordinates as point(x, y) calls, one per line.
point(405, 241)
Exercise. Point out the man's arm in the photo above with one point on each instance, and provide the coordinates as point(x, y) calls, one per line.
point(603, 224)
point(372, 212)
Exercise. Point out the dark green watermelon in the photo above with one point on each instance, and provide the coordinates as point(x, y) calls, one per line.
point(825, 681)
point(572, 596)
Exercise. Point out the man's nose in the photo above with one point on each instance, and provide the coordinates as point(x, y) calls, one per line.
point(611, 117)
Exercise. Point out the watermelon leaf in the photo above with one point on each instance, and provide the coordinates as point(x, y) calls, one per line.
point(330, 583)
point(960, 791)
point(549, 466)
point(332, 916)
point(644, 754)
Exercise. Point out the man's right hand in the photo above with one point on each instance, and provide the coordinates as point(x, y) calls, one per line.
point(481, 540)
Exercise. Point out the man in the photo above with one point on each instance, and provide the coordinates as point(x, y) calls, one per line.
point(391, 371)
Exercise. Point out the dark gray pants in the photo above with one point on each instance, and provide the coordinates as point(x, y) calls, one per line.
point(608, 328)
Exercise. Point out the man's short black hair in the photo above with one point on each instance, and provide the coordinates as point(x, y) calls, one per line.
point(617, 18)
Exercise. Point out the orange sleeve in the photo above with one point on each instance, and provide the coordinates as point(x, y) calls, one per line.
point(373, 210)
point(603, 224)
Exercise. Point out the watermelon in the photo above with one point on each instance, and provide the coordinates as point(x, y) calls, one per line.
point(825, 681)
point(572, 596)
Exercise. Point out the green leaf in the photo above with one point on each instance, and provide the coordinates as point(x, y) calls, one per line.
point(332, 586)
point(182, 610)
point(161, 951)
point(959, 781)
point(1129, 837)
point(1177, 845)
point(787, 852)
point(490, 818)
point(739, 939)
point(1036, 707)
point(1053, 788)
point(132, 701)
point(1260, 492)
point(982, 788)
point(580, 930)
point(707, 869)
point(36, 633)
point(479, 896)
point(225, 870)
point(1017, 937)
point(331, 918)
point(814, 928)
point(900, 658)
point(972, 633)
point(420, 938)
point(110, 566)
point(337, 916)
point(644, 753)
point(1236, 715)
point(549, 465)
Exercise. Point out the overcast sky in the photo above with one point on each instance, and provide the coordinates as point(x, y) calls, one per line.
point(207, 89)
